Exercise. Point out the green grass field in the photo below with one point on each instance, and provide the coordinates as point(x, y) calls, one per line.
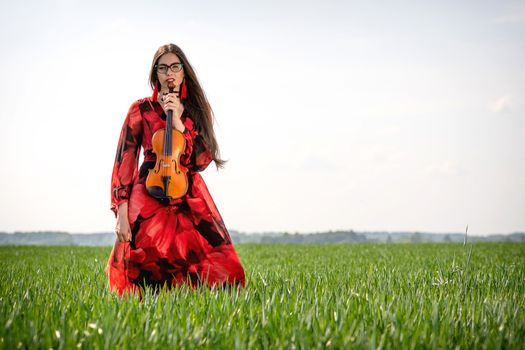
point(399, 296)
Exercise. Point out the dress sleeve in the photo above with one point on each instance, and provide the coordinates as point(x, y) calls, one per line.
point(126, 160)
point(196, 156)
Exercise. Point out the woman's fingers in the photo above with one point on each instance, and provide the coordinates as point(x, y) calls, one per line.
point(123, 234)
point(176, 107)
point(124, 237)
point(170, 98)
point(171, 101)
point(122, 228)
point(120, 236)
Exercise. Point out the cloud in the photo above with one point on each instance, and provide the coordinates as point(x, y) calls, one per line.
point(380, 154)
point(388, 131)
point(318, 164)
point(501, 105)
point(516, 15)
point(446, 167)
point(511, 18)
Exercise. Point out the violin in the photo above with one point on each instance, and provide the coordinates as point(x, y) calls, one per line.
point(167, 180)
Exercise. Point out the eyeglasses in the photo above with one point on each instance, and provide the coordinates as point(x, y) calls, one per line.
point(163, 68)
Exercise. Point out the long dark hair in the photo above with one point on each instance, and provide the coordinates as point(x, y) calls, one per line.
point(196, 104)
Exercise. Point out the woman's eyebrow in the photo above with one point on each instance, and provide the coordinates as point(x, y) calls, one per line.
point(169, 64)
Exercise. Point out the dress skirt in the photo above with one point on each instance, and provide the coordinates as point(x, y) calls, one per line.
point(172, 244)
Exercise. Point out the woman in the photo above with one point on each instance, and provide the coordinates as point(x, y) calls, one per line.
point(170, 241)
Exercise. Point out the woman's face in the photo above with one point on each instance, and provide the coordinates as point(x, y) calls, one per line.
point(165, 62)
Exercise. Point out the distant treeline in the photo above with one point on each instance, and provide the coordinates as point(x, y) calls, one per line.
point(108, 239)
point(371, 237)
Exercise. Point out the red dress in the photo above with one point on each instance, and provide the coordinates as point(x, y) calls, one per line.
point(183, 241)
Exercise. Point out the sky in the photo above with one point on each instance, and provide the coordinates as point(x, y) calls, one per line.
point(333, 115)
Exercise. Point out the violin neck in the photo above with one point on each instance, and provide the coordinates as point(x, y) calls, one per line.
point(169, 125)
point(167, 133)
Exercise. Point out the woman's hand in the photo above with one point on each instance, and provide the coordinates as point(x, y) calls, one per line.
point(122, 229)
point(172, 102)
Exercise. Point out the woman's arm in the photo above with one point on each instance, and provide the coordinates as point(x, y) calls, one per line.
point(126, 160)
point(125, 170)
